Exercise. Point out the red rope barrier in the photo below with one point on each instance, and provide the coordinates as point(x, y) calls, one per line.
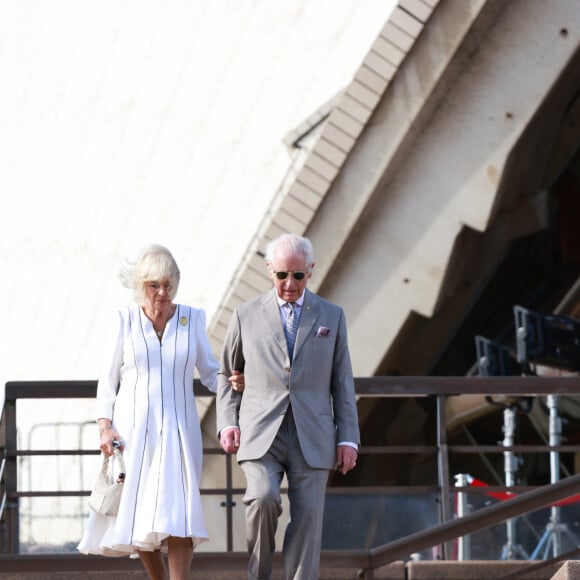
point(503, 495)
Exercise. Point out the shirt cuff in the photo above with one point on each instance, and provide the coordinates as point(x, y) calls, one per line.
point(349, 444)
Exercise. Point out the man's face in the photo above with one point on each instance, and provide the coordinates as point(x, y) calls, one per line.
point(293, 265)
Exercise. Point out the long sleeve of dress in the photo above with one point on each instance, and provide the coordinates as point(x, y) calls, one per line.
point(110, 376)
point(206, 363)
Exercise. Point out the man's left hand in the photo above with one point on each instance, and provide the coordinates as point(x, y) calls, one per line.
point(345, 458)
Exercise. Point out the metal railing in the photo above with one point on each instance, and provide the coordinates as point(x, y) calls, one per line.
point(439, 388)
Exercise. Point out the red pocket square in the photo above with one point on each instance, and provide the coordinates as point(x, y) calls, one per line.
point(323, 331)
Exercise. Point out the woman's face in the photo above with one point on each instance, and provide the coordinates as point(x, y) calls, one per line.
point(158, 294)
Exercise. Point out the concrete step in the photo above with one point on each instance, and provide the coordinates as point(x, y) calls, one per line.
point(215, 566)
point(59, 567)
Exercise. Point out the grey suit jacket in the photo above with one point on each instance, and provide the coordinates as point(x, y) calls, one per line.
point(319, 383)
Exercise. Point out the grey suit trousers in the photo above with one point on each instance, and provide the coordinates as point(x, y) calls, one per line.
point(306, 493)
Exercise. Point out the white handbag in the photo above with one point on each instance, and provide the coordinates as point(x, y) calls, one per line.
point(106, 494)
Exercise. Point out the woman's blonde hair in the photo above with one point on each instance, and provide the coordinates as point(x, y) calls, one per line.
point(155, 263)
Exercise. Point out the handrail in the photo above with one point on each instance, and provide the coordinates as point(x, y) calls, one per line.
point(383, 386)
point(482, 518)
point(4, 494)
point(439, 387)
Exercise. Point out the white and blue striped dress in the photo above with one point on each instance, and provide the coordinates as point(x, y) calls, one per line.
point(147, 390)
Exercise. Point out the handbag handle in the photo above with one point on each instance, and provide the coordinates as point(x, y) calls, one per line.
point(118, 457)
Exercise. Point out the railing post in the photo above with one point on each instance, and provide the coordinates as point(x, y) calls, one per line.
point(463, 542)
point(229, 503)
point(443, 468)
point(11, 480)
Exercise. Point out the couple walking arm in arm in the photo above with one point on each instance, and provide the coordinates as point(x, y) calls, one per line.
point(285, 405)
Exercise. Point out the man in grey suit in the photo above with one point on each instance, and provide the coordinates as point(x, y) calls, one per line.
point(297, 414)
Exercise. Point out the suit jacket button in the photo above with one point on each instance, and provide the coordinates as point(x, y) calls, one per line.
point(287, 369)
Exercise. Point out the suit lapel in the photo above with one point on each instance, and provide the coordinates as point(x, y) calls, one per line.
point(271, 314)
point(308, 317)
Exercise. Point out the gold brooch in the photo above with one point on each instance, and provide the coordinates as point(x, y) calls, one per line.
point(183, 321)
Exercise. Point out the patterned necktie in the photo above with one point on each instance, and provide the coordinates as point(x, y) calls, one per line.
point(291, 327)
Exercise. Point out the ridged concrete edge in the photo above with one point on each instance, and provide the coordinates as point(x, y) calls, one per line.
point(569, 571)
point(480, 570)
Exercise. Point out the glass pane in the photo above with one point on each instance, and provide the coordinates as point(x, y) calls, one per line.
point(51, 524)
point(57, 423)
point(541, 534)
point(355, 522)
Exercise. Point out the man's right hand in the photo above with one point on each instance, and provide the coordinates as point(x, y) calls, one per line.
point(230, 439)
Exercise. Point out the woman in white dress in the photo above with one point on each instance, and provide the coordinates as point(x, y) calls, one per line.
point(145, 400)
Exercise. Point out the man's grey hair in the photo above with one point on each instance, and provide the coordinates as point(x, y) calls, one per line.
point(292, 242)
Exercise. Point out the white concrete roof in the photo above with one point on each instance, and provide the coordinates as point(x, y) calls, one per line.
point(123, 122)
point(425, 147)
point(308, 185)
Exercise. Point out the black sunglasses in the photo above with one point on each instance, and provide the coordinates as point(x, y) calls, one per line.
point(284, 275)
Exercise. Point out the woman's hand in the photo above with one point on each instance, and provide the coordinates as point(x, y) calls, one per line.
point(108, 436)
point(237, 381)
point(107, 439)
